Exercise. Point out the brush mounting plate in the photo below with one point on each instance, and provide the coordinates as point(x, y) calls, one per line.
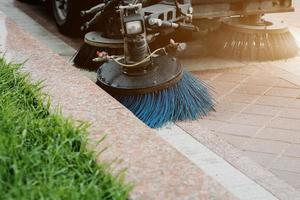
point(97, 39)
point(166, 72)
point(239, 25)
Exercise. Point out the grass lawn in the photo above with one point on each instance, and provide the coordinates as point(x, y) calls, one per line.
point(43, 155)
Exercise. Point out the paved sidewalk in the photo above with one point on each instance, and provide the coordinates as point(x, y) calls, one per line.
point(258, 108)
point(259, 113)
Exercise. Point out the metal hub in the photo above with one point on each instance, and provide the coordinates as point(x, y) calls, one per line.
point(243, 25)
point(97, 39)
point(165, 71)
point(62, 8)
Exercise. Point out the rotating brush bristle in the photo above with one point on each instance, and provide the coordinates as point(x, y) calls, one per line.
point(273, 41)
point(189, 99)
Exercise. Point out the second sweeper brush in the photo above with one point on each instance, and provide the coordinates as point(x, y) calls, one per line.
point(252, 38)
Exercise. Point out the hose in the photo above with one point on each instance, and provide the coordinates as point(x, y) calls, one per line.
point(140, 62)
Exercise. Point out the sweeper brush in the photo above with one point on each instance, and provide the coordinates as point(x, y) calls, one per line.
point(160, 95)
point(253, 39)
point(109, 38)
point(106, 36)
point(88, 51)
point(153, 85)
point(243, 34)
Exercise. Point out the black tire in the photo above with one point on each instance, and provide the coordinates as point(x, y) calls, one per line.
point(31, 1)
point(68, 18)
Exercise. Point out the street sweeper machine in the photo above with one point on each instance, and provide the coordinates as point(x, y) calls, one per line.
point(134, 44)
point(233, 29)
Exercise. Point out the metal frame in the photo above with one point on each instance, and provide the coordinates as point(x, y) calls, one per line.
point(217, 8)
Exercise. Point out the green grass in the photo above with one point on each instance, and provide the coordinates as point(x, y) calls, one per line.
point(43, 155)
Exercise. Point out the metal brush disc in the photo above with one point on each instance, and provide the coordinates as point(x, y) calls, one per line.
point(237, 24)
point(165, 72)
point(97, 39)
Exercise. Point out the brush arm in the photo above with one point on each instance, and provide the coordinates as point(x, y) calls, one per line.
point(92, 10)
point(108, 7)
point(158, 23)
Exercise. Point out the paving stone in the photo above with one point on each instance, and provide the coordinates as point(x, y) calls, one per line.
point(285, 84)
point(275, 101)
point(207, 75)
point(264, 159)
point(240, 98)
point(252, 90)
point(278, 135)
point(285, 123)
point(236, 141)
point(290, 113)
point(286, 191)
point(249, 70)
point(259, 81)
point(290, 177)
point(239, 129)
point(212, 125)
point(262, 73)
point(285, 163)
point(265, 146)
point(250, 119)
point(284, 92)
point(222, 116)
point(221, 88)
point(262, 110)
point(230, 106)
point(231, 77)
point(293, 150)
point(208, 63)
point(294, 103)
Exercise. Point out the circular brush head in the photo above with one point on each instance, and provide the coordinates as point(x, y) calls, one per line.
point(93, 42)
point(164, 72)
point(164, 93)
point(265, 40)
